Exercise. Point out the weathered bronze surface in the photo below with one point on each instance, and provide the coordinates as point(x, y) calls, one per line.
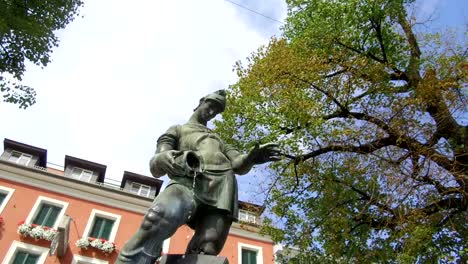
point(203, 189)
point(193, 259)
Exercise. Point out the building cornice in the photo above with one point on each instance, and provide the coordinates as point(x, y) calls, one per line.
point(246, 231)
point(73, 188)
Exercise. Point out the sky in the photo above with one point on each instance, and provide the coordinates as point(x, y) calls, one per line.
point(125, 71)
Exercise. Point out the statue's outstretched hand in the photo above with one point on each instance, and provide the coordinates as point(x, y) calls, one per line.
point(260, 154)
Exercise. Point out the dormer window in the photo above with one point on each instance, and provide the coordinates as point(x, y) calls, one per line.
point(20, 158)
point(81, 174)
point(247, 216)
point(140, 189)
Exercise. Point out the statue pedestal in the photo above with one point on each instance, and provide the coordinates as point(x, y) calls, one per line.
point(192, 259)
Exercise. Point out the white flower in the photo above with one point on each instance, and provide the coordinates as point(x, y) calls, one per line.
point(97, 243)
point(49, 234)
point(108, 247)
point(36, 232)
point(23, 229)
point(82, 243)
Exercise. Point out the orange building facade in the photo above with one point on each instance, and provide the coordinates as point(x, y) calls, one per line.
point(51, 214)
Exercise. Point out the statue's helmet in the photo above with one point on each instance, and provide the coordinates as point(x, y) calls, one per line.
point(218, 96)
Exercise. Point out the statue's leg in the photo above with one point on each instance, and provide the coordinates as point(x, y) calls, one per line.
point(169, 211)
point(210, 233)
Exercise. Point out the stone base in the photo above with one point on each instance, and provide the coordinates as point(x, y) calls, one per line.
point(192, 259)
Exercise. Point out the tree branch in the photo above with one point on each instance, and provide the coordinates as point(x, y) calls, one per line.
point(335, 73)
point(378, 31)
point(359, 51)
point(397, 139)
point(363, 149)
point(445, 204)
point(323, 91)
point(413, 67)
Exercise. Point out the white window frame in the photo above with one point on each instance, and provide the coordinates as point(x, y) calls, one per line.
point(98, 213)
point(22, 155)
point(78, 258)
point(9, 192)
point(81, 174)
point(247, 214)
point(258, 249)
point(41, 200)
point(165, 246)
point(16, 246)
point(139, 189)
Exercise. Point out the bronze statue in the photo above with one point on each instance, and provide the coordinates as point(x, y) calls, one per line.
point(203, 189)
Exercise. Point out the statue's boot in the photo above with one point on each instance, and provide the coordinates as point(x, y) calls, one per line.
point(138, 256)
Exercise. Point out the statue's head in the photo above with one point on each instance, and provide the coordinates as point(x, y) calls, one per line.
point(217, 97)
point(212, 104)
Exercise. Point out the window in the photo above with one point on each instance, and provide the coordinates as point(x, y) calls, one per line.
point(47, 215)
point(102, 225)
point(47, 211)
point(5, 195)
point(22, 253)
point(247, 216)
point(250, 254)
point(82, 174)
point(20, 158)
point(23, 257)
point(2, 197)
point(140, 189)
point(77, 259)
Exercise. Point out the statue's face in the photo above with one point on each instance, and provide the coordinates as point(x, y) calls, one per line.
point(208, 109)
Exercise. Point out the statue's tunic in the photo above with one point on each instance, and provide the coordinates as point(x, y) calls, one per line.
point(216, 186)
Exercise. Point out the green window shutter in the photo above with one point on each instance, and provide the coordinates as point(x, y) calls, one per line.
point(22, 257)
point(107, 228)
point(32, 259)
point(102, 228)
point(41, 216)
point(52, 217)
point(96, 227)
point(47, 215)
point(2, 197)
point(249, 257)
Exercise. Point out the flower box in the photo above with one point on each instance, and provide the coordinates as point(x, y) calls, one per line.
point(36, 231)
point(98, 243)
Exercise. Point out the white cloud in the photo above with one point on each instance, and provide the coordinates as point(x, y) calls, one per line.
point(124, 73)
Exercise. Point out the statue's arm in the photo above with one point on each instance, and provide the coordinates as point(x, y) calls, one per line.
point(163, 160)
point(240, 164)
point(243, 163)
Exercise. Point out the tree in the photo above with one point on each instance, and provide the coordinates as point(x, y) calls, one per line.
point(27, 33)
point(370, 111)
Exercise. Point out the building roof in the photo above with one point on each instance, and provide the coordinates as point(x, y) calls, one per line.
point(251, 207)
point(35, 151)
point(85, 164)
point(141, 179)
